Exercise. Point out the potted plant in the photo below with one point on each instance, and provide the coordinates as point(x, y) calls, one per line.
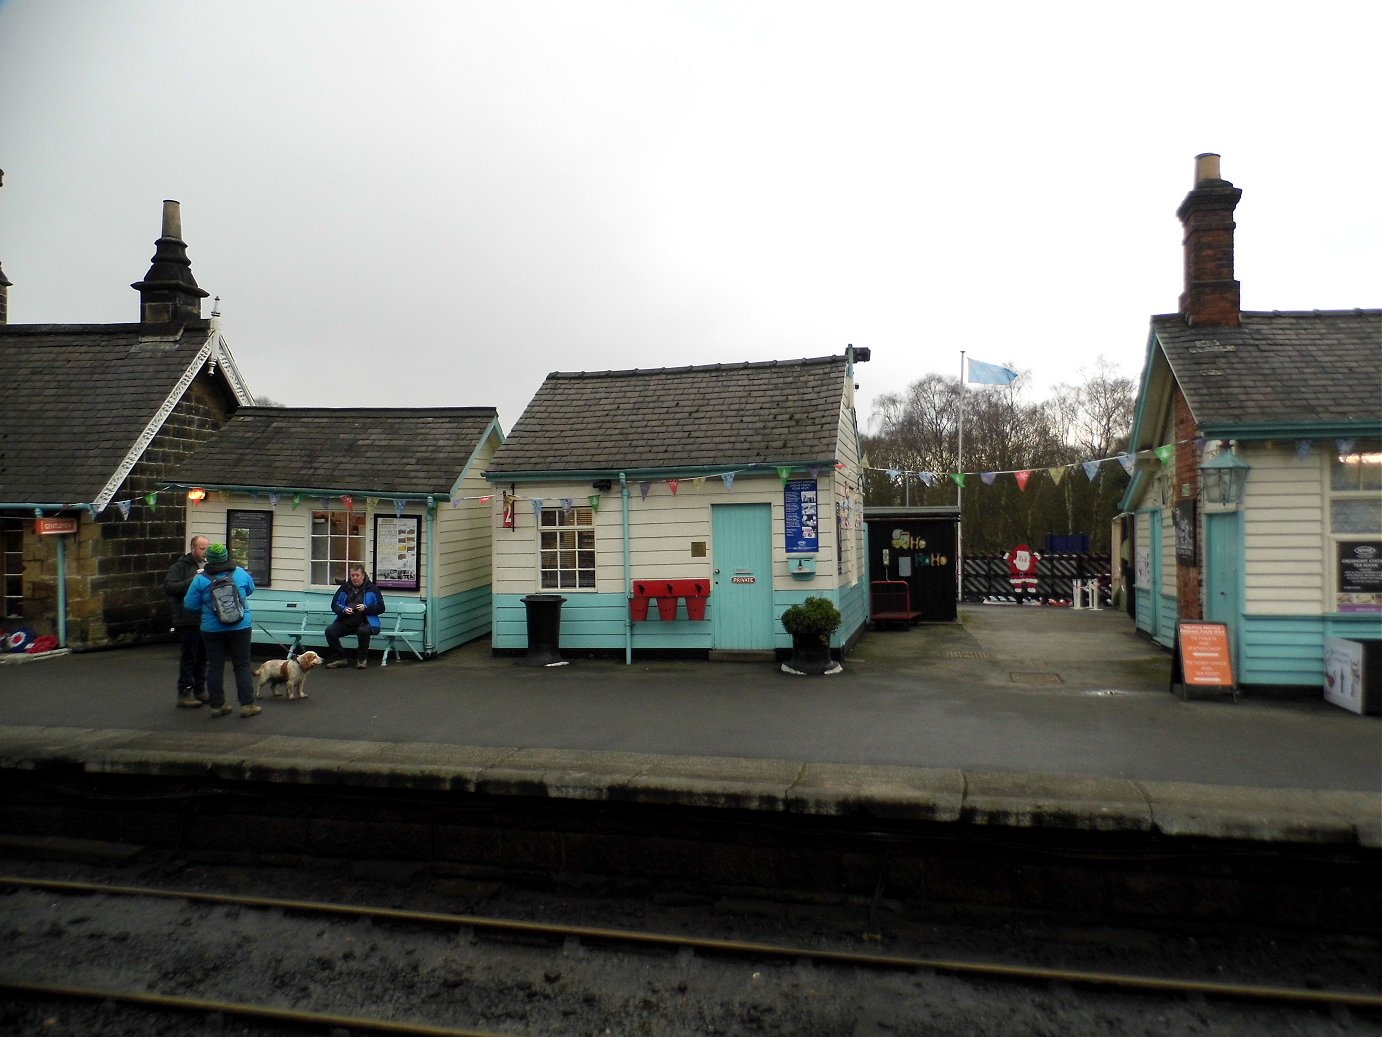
point(811, 625)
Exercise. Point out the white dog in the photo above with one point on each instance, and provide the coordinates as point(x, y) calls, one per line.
point(290, 673)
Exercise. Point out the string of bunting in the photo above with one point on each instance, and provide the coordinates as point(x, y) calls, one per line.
point(1165, 454)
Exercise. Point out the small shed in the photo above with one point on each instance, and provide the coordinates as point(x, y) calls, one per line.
point(300, 493)
point(682, 510)
point(913, 564)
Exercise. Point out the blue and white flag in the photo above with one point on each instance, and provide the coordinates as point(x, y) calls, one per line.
point(990, 374)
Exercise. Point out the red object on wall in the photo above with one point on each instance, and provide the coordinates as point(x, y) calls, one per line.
point(696, 592)
point(667, 607)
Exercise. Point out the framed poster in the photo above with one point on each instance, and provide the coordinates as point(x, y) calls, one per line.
point(396, 544)
point(1359, 576)
point(801, 515)
point(250, 537)
point(1184, 519)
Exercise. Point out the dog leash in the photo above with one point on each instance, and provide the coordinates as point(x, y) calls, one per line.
point(290, 653)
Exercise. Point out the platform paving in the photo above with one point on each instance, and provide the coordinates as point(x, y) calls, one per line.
point(1014, 716)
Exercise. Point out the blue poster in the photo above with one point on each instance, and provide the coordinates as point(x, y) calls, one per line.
point(801, 511)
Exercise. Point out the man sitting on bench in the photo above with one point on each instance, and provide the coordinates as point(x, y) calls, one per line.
point(357, 605)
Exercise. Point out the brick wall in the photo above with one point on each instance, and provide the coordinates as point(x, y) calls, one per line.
point(1189, 578)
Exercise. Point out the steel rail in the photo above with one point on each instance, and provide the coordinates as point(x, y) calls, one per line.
point(1208, 988)
point(239, 1009)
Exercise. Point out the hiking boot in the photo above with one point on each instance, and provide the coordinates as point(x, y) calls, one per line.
point(188, 701)
point(249, 711)
point(203, 697)
point(220, 711)
point(335, 664)
point(362, 664)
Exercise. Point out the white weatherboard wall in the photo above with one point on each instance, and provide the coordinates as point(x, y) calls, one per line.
point(1286, 545)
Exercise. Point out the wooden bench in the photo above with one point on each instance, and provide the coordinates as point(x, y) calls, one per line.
point(295, 624)
point(890, 601)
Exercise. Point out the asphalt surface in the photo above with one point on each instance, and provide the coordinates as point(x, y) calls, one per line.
point(1029, 705)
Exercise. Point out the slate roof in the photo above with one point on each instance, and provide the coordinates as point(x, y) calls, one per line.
point(679, 418)
point(340, 450)
point(1278, 368)
point(74, 399)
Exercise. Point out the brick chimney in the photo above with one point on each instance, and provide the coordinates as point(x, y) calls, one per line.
point(169, 292)
point(4, 282)
point(1211, 294)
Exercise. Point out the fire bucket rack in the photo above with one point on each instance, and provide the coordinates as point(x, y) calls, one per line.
point(666, 593)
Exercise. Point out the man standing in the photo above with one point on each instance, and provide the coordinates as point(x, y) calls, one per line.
point(192, 665)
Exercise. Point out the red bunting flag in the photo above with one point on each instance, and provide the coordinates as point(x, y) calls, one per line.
point(1022, 478)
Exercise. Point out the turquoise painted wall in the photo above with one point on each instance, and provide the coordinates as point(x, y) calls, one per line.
point(596, 622)
point(460, 618)
point(1289, 650)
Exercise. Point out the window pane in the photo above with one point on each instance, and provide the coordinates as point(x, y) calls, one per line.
point(1355, 516)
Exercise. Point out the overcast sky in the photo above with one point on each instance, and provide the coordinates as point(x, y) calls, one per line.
point(437, 203)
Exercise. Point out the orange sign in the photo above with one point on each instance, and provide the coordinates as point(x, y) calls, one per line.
point(53, 526)
point(1203, 655)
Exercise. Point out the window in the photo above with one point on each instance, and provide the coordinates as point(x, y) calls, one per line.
point(1355, 524)
point(566, 549)
point(338, 538)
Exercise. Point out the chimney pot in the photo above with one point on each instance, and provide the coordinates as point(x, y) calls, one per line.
point(1206, 167)
point(172, 219)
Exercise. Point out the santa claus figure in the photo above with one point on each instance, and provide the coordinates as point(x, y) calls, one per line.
point(1022, 572)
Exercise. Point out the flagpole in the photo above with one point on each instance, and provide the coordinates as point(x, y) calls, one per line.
point(959, 492)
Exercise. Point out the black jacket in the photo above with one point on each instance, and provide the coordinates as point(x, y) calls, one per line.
point(180, 576)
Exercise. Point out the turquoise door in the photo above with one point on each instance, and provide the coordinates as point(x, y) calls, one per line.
point(1223, 596)
point(741, 595)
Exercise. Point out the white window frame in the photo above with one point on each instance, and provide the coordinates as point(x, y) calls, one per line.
point(564, 536)
point(355, 545)
point(1369, 451)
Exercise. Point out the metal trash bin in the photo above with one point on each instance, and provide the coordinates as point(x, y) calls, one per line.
point(544, 630)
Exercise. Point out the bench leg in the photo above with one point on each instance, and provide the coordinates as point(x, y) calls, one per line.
point(387, 648)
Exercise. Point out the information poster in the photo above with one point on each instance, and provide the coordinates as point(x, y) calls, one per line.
point(249, 535)
point(1184, 518)
point(802, 515)
point(396, 544)
point(1360, 576)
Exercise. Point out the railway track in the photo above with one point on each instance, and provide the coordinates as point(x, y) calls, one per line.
point(516, 976)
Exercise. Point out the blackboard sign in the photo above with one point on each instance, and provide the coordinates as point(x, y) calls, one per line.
point(1184, 519)
point(249, 535)
point(801, 514)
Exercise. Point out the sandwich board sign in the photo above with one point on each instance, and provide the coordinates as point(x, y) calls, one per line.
point(1202, 658)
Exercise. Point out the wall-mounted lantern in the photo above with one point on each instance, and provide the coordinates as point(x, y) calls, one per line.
point(1223, 477)
point(196, 495)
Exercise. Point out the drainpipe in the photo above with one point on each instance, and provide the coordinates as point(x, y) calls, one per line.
point(429, 618)
point(62, 591)
point(628, 572)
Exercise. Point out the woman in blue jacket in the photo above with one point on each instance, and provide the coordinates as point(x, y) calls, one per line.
point(357, 605)
point(224, 639)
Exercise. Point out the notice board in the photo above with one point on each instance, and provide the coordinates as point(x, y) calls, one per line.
point(1202, 658)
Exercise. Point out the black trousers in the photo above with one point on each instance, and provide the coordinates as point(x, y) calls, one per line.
point(192, 664)
point(343, 628)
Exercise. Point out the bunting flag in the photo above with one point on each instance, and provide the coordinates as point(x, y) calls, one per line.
point(1165, 454)
point(124, 507)
point(273, 499)
point(398, 505)
point(151, 499)
point(1303, 448)
point(487, 498)
point(643, 488)
point(959, 478)
point(672, 485)
point(537, 505)
point(1057, 474)
point(1091, 469)
point(1128, 461)
point(784, 473)
point(839, 466)
point(297, 499)
point(568, 505)
point(326, 503)
point(1022, 478)
point(728, 478)
point(1345, 445)
point(1199, 442)
point(372, 502)
point(989, 374)
point(594, 501)
point(988, 477)
point(815, 471)
point(929, 478)
point(894, 474)
point(698, 481)
point(348, 501)
point(456, 501)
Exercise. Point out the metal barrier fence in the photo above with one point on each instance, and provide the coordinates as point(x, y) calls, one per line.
point(989, 576)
